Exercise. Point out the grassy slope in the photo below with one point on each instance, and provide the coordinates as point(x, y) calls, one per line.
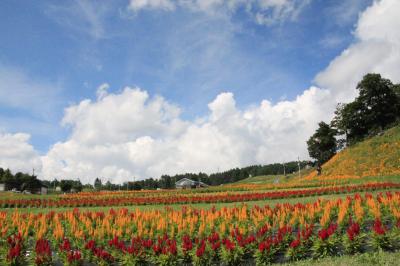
point(376, 156)
point(271, 179)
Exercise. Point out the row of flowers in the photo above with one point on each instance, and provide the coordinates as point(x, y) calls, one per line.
point(261, 247)
point(226, 235)
point(176, 198)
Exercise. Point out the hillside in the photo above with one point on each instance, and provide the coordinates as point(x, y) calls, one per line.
point(376, 156)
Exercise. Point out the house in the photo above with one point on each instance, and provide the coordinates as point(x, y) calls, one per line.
point(2, 187)
point(43, 189)
point(188, 183)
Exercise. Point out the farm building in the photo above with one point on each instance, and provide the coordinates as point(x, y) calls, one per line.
point(43, 189)
point(188, 183)
point(2, 187)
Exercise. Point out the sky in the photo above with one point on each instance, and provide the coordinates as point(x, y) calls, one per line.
point(141, 88)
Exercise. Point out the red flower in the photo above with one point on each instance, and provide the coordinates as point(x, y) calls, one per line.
point(229, 245)
point(295, 243)
point(74, 256)
point(353, 230)
point(201, 249)
point(378, 227)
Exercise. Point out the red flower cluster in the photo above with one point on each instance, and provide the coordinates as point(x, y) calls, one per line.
point(213, 239)
point(265, 245)
point(15, 247)
point(43, 252)
point(122, 199)
point(187, 244)
point(201, 248)
point(353, 230)
point(74, 256)
point(99, 251)
point(324, 234)
point(165, 246)
point(295, 243)
point(229, 245)
point(378, 228)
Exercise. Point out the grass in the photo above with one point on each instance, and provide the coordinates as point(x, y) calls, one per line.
point(272, 179)
point(378, 155)
point(376, 258)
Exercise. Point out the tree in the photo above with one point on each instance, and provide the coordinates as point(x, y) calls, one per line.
point(376, 108)
point(97, 184)
point(322, 145)
point(66, 185)
point(349, 121)
point(379, 101)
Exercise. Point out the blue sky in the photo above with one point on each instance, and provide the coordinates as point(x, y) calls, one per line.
point(141, 88)
point(187, 57)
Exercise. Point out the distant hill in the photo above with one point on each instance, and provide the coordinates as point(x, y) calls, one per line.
point(376, 156)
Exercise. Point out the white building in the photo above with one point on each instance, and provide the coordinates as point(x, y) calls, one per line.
point(188, 183)
point(2, 187)
point(43, 190)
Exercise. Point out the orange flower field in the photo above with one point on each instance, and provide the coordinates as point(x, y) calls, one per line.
point(222, 236)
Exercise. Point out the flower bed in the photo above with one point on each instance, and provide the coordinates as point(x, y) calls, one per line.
point(175, 197)
point(226, 236)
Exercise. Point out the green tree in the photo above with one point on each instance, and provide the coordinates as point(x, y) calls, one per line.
point(322, 145)
point(379, 101)
point(97, 184)
point(66, 185)
point(376, 108)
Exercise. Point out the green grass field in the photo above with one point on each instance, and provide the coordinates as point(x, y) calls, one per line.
point(367, 259)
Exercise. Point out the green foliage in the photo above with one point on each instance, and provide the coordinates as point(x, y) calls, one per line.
point(376, 108)
point(328, 247)
point(19, 181)
point(322, 145)
point(97, 184)
point(356, 245)
point(231, 257)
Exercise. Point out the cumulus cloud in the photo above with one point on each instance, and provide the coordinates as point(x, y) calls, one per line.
point(377, 49)
point(17, 154)
point(129, 134)
point(263, 12)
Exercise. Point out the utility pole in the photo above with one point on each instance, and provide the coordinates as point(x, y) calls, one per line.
point(298, 163)
point(33, 171)
point(284, 169)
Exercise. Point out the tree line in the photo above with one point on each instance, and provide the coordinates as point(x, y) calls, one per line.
point(229, 176)
point(19, 181)
point(376, 108)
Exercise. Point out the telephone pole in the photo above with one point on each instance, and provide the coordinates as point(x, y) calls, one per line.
point(298, 163)
point(284, 169)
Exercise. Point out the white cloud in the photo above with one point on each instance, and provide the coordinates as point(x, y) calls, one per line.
point(263, 12)
point(81, 16)
point(377, 49)
point(102, 90)
point(17, 154)
point(137, 5)
point(18, 90)
point(130, 134)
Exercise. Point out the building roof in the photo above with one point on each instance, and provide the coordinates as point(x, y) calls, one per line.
point(188, 182)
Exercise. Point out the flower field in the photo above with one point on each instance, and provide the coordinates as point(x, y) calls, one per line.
point(225, 236)
point(181, 197)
